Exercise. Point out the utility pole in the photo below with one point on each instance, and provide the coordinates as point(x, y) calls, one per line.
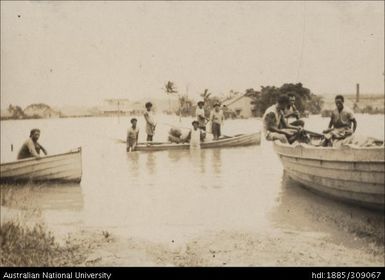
point(357, 93)
point(118, 111)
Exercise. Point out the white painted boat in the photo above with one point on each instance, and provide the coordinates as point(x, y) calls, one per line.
point(352, 174)
point(66, 167)
point(234, 141)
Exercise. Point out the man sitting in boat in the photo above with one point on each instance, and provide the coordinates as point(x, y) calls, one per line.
point(195, 136)
point(132, 136)
point(340, 125)
point(292, 112)
point(31, 148)
point(274, 124)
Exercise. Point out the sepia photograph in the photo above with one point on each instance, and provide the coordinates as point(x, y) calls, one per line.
point(191, 134)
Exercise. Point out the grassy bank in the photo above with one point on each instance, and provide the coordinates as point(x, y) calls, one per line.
point(24, 239)
point(35, 246)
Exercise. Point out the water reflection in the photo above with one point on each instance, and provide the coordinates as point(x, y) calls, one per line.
point(198, 158)
point(171, 193)
point(57, 206)
point(300, 209)
point(133, 159)
point(217, 161)
point(151, 163)
point(174, 156)
point(43, 196)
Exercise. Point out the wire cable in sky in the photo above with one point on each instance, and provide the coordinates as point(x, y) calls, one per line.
point(303, 40)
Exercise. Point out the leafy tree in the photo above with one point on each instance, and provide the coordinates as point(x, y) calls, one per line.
point(185, 103)
point(209, 100)
point(186, 106)
point(16, 112)
point(305, 99)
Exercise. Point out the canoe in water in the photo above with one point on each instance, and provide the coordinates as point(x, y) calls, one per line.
point(351, 174)
point(235, 141)
point(60, 168)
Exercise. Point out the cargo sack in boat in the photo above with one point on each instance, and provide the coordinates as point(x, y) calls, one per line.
point(175, 132)
point(174, 139)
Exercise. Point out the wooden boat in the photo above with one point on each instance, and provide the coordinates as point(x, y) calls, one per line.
point(352, 174)
point(63, 168)
point(234, 141)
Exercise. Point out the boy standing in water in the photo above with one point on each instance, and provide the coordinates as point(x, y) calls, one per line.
point(132, 136)
point(150, 122)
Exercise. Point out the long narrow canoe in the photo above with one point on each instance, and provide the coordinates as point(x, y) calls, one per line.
point(60, 168)
point(352, 174)
point(235, 141)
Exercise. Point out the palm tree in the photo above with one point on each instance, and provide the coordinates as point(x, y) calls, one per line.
point(170, 89)
point(205, 95)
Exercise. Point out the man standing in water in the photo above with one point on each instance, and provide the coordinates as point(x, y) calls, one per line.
point(195, 136)
point(150, 122)
point(341, 121)
point(216, 118)
point(292, 112)
point(31, 148)
point(275, 126)
point(132, 136)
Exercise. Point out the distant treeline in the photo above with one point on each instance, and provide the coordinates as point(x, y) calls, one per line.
point(33, 111)
point(306, 101)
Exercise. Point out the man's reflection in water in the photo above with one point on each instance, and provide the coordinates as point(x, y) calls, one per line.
point(217, 162)
point(198, 160)
point(133, 162)
point(151, 163)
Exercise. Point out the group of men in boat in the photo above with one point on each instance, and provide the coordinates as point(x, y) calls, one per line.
point(276, 126)
point(195, 135)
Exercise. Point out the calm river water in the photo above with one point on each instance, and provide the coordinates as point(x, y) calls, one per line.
point(178, 195)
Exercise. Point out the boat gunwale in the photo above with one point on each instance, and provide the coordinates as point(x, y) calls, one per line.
point(278, 145)
point(147, 146)
point(75, 151)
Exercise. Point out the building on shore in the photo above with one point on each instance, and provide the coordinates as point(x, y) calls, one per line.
point(364, 103)
point(240, 105)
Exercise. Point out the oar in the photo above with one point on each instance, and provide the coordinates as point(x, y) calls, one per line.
point(121, 141)
point(313, 133)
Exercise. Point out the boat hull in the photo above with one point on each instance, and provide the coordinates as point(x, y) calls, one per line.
point(61, 168)
point(236, 141)
point(354, 175)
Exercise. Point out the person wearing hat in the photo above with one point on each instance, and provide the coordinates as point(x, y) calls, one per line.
point(195, 136)
point(216, 118)
point(150, 122)
point(132, 136)
point(200, 115)
point(31, 148)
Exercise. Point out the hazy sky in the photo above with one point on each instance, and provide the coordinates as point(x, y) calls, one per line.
point(83, 52)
